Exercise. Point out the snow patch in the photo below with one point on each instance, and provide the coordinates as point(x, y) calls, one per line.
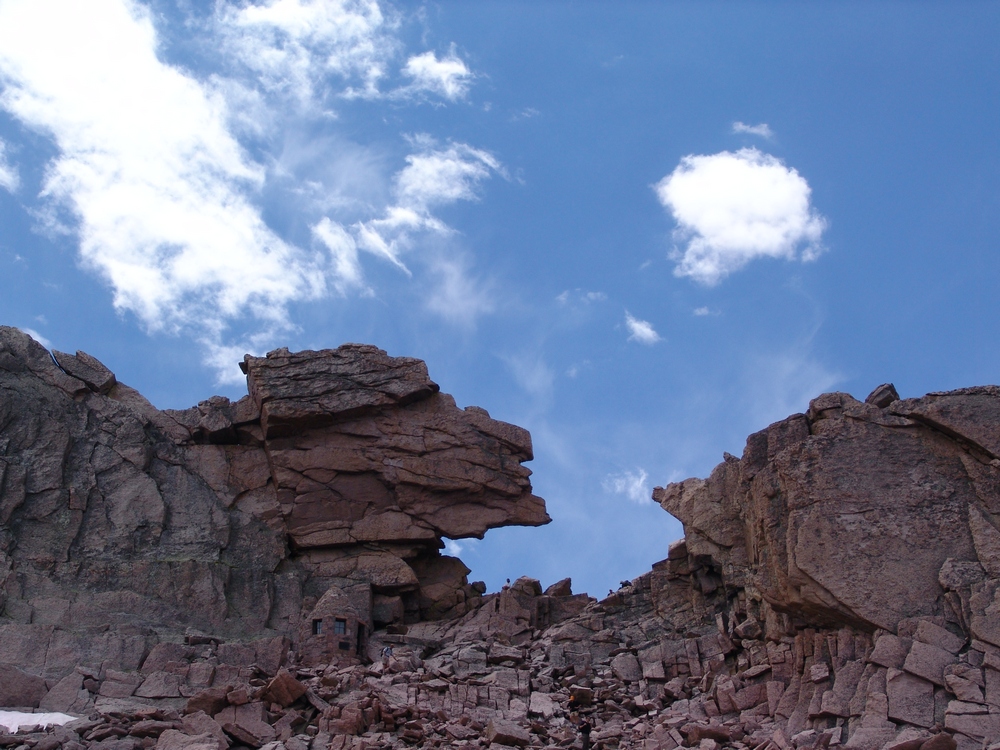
point(14, 719)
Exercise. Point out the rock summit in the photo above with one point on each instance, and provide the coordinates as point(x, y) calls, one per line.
point(267, 574)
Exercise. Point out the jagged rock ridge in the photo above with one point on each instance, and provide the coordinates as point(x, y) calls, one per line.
point(121, 525)
point(836, 586)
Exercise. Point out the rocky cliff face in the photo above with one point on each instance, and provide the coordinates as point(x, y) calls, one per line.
point(121, 525)
point(837, 584)
point(865, 536)
point(862, 514)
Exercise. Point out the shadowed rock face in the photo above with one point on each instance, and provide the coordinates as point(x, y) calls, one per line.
point(121, 523)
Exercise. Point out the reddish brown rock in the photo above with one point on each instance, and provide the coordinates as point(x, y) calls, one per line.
point(173, 739)
point(508, 733)
point(284, 689)
point(210, 701)
point(826, 531)
point(18, 688)
point(200, 723)
point(940, 741)
point(343, 466)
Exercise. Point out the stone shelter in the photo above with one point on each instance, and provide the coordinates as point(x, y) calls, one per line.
point(336, 629)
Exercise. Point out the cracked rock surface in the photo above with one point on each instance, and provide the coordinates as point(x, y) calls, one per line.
point(122, 525)
point(837, 585)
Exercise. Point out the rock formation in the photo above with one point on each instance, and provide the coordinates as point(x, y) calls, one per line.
point(837, 585)
point(122, 525)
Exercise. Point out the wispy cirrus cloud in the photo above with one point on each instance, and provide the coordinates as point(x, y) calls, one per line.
point(343, 249)
point(634, 485)
point(9, 179)
point(580, 295)
point(734, 207)
point(641, 331)
point(314, 51)
point(309, 49)
point(532, 374)
point(780, 383)
point(435, 175)
point(763, 129)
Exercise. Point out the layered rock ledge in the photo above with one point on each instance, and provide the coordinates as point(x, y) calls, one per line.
point(122, 525)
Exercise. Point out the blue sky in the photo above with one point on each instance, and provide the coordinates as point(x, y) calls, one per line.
point(641, 230)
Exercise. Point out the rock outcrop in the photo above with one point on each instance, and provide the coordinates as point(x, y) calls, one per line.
point(866, 537)
point(122, 525)
point(837, 585)
point(858, 515)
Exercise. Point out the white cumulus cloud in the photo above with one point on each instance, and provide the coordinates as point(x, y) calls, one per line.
point(151, 177)
point(297, 46)
point(731, 208)
point(763, 129)
point(438, 176)
point(8, 174)
point(641, 331)
point(632, 484)
point(155, 185)
point(449, 77)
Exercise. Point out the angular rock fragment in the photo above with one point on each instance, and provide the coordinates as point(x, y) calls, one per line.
point(17, 688)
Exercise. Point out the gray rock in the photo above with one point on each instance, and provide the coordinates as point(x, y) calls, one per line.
point(119, 521)
point(17, 688)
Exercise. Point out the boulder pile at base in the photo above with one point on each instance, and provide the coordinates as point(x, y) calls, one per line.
point(837, 586)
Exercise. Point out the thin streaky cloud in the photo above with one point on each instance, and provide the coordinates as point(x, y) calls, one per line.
point(763, 129)
point(9, 179)
point(532, 374)
point(345, 267)
point(455, 293)
point(434, 176)
point(634, 485)
point(525, 114)
point(37, 337)
point(584, 296)
point(641, 331)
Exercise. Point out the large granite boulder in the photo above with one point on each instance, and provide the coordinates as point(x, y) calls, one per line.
point(122, 525)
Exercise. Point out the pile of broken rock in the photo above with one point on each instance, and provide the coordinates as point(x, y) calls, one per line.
point(838, 585)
